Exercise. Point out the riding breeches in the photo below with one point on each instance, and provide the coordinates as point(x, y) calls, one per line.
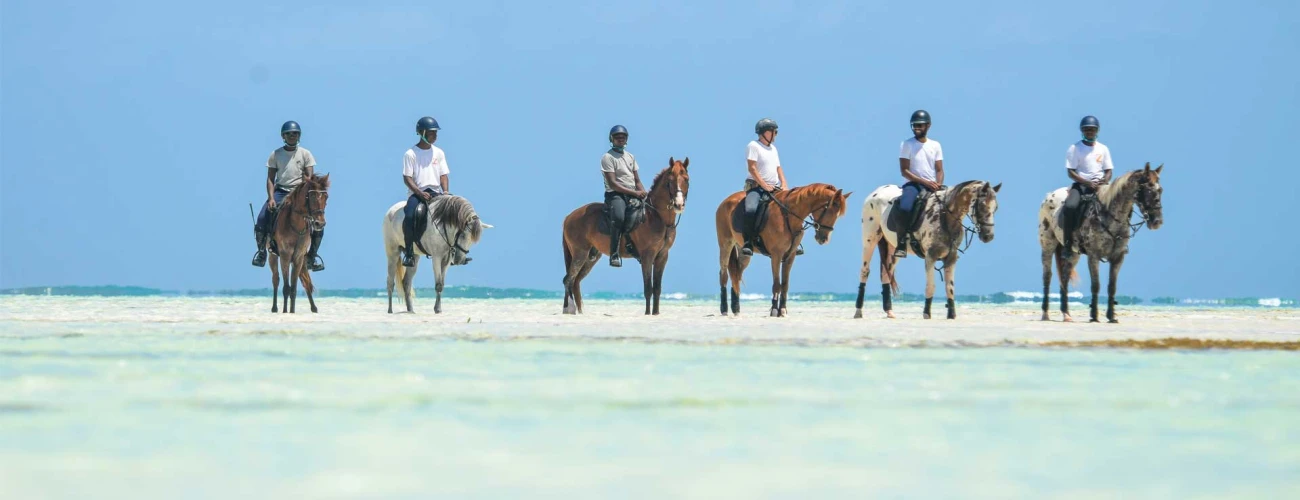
point(1070, 211)
point(266, 217)
point(616, 203)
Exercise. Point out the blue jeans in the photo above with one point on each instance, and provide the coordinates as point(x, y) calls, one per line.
point(263, 217)
point(911, 191)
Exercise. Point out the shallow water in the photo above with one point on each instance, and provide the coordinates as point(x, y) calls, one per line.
point(212, 404)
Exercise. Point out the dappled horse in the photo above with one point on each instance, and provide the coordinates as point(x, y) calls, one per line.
point(301, 213)
point(452, 223)
point(789, 214)
point(585, 240)
point(938, 236)
point(1103, 233)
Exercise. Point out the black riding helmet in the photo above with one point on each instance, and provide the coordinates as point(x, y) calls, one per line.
point(920, 116)
point(764, 125)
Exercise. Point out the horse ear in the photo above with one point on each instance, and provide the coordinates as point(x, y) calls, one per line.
point(997, 187)
point(1148, 167)
point(686, 162)
point(325, 180)
point(671, 161)
point(848, 194)
point(1158, 169)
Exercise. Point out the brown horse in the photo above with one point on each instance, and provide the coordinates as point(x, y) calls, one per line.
point(301, 212)
point(791, 212)
point(584, 243)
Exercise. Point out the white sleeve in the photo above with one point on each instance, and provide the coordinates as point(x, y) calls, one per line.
point(408, 165)
point(938, 151)
point(1069, 159)
point(635, 167)
point(752, 152)
point(606, 163)
point(270, 162)
point(308, 159)
point(446, 169)
point(903, 153)
point(1107, 163)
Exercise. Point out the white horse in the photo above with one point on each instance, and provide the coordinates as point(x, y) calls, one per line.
point(939, 236)
point(452, 221)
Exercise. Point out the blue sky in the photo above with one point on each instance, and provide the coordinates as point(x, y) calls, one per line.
point(135, 133)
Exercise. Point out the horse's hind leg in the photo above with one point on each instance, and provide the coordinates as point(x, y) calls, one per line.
point(736, 268)
point(660, 261)
point(887, 278)
point(309, 288)
point(647, 283)
point(293, 287)
point(1063, 268)
point(439, 277)
point(1094, 272)
point(868, 248)
point(950, 283)
point(284, 292)
point(408, 287)
point(776, 287)
point(929, 286)
point(1115, 264)
point(1047, 281)
point(577, 282)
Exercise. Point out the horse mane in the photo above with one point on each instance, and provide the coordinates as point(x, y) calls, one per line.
point(321, 181)
point(458, 211)
point(815, 189)
point(956, 190)
point(660, 177)
point(1108, 194)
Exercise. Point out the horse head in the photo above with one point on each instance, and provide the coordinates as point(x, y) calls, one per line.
point(1148, 195)
point(833, 206)
point(317, 197)
point(674, 184)
point(983, 207)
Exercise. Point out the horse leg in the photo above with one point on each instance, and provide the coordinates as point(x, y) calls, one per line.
point(736, 270)
point(868, 247)
point(1047, 281)
point(929, 285)
point(887, 279)
point(724, 263)
point(275, 283)
point(284, 292)
point(776, 287)
point(1115, 264)
point(293, 287)
point(577, 282)
point(660, 261)
point(309, 288)
point(1094, 272)
point(439, 277)
point(1063, 271)
point(785, 282)
point(394, 262)
point(647, 283)
point(950, 283)
point(408, 286)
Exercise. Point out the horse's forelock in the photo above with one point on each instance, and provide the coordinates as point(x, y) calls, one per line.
point(459, 211)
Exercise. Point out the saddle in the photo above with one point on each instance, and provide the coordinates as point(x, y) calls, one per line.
point(896, 221)
point(633, 217)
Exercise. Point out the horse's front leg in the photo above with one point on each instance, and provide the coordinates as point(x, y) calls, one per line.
point(1115, 264)
point(293, 287)
point(308, 287)
point(647, 282)
point(275, 284)
point(284, 292)
point(929, 286)
point(408, 286)
point(439, 277)
point(868, 247)
point(1063, 271)
point(660, 262)
point(776, 287)
point(1094, 272)
point(785, 281)
point(1047, 281)
point(950, 283)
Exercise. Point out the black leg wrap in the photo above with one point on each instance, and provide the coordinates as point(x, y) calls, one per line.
point(862, 290)
point(886, 297)
point(927, 306)
point(952, 310)
point(724, 300)
point(774, 304)
point(735, 303)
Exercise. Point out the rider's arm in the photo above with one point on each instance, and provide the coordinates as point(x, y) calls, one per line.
point(1074, 176)
point(446, 183)
point(938, 173)
point(270, 184)
point(780, 173)
point(904, 166)
point(636, 174)
point(1106, 179)
point(410, 184)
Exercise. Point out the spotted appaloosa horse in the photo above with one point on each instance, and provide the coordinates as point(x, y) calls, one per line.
point(1103, 234)
point(939, 236)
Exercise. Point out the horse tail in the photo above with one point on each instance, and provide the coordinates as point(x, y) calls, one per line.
point(733, 264)
point(1074, 277)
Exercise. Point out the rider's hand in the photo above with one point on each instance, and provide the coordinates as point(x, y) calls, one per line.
point(270, 203)
point(642, 194)
point(425, 196)
point(1096, 185)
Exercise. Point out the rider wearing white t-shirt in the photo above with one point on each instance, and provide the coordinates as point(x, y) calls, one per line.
point(1089, 165)
point(285, 169)
point(765, 177)
point(426, 175)
point(920, 160)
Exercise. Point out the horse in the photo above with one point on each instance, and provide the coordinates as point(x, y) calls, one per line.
point(793, 213)
point(939, 236)
point(452, 223)
point(301, 213)
point(652, 239)
point(1103, 234)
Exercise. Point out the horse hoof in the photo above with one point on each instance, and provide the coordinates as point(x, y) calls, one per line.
point(1045, 318)
point(1067, 319)
point(857, 314)
point(772, 313)
point(1112, 321)
point(1094, 320)
point(889, 314)
point(926, 315)
point(313, 309)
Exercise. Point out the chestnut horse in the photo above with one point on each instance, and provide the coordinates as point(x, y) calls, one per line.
point(791, 212)
point(301, 212)
point(584, 243)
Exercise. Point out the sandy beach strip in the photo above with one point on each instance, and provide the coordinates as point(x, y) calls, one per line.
point(694, 322)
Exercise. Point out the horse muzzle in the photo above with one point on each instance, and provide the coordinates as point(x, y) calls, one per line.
point(986, 236)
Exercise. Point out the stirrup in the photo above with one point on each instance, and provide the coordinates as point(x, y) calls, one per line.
point(747, 250)
point(317, 264)
point(408, 258)
point(259, 259)
point(799, 250)
point(900, 252)
point(615, 261)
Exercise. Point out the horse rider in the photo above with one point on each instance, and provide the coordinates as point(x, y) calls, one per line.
point(425, 173)
point(1089, 165)
point(765, 177)
point(622, 182)
point(920, 160)
point(285, 169)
